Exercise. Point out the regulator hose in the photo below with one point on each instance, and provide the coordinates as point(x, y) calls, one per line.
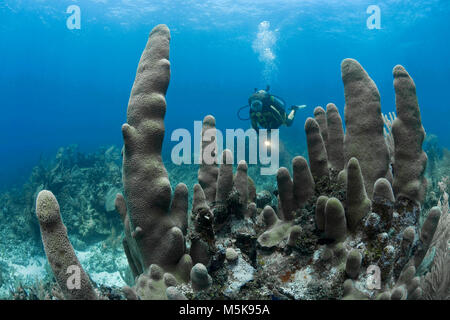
point(239, 113)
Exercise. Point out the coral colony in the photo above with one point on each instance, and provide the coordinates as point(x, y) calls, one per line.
point(346, 225)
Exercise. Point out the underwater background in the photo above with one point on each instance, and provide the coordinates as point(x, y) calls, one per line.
point(64, 94)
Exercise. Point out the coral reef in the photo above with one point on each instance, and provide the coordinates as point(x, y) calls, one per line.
point(85, 184)
point(346, 226)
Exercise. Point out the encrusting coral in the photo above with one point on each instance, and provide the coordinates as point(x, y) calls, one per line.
point(339, 230)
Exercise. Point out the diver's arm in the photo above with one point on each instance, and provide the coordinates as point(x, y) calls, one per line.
point(291, 116)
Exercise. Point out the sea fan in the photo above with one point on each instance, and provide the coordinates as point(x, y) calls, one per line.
point(436, 283)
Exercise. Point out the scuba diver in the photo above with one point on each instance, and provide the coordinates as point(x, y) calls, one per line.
point(267, 111)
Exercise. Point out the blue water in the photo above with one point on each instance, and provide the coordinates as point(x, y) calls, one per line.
point(61, 86)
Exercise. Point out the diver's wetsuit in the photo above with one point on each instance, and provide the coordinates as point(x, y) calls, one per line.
point(270, 113)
